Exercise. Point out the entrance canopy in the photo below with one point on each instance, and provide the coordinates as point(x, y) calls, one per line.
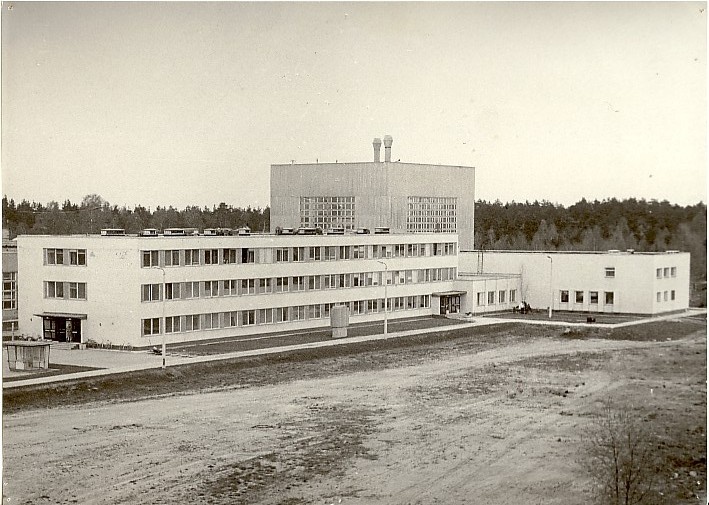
point(449, 293)
point(65, 315)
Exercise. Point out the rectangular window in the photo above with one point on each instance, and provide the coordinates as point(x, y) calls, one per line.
point(666, 295)
point(299, 254)
point(150, 259)
point(610, 272)
point(264, 285)
point(265, 316)
point(673, 271)
point(314, 311)
point(513, 295)
point(54, 256)
point(331, 253)
point(298, 283)
point(172, 290)
point(248, 256)
point(490, 297)
point(501, 296)
point(77, 257)
point(281, 314)
point(609, 297)
point(481, 298)
point(191, 256)
point(281, 284)
point(192, 322)
point(9, 290)
point(593, 296)
point(314, 253)
point(564, 296)
point(151, 293)
point(172, 258)
point(77, 290)
point(658, 273)
point(666, 272)
point(151, 326)
point(229, 256)
point(358, 307)
point(211, 321)
point(658, 296)
point(248, 286)
point(299, 312)
point(282, 254)
point(359, 252)
point(248, 317)
point(425, 301)
point(172, 324)
point(373, 305)
point(231, 319)
point(54, 289)
point(231, 287)
point(192, 289)
point(579, 297)
point(211, 289)
point(211, 256)
point(672, 294)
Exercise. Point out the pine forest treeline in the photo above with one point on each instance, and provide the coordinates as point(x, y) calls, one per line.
point(595, 226)
point(585, 226)
point(94, 214)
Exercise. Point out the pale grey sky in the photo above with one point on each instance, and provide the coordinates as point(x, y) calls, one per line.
point(189, 103)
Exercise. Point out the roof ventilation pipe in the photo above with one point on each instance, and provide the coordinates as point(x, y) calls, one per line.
point(387, 147)
point(377, 143)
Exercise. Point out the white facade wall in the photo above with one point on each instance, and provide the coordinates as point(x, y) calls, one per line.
point(634, 284)
point(114, 277)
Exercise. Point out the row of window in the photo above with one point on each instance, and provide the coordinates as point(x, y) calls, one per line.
point(665, 296)
point(75, 257)
point(326, 212)
point(665, 273)
point(231, 319)
point(68, 290)
point(227, 256)
point(579, 297)
point(265, 285)
point(495, 297)
point(431, 214)
point(9, 290)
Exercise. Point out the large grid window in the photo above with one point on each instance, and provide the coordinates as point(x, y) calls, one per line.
point(432, 214)
point(327, 212)
point(151, 326)
point(9, 290)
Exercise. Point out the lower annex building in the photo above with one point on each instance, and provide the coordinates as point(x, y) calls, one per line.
point(133, 290)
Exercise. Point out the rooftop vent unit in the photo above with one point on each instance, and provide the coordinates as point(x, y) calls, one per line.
point(113, 232)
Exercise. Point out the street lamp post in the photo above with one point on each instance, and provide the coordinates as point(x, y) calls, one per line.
point(551, 285)
point(162, 325)
point(386, 278)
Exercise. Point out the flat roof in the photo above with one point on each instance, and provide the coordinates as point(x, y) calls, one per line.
point(610, 251)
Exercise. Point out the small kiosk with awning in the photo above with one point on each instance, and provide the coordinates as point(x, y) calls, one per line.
point(62, 326)
point(449, 301)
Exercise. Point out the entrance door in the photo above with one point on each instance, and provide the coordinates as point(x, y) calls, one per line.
point(444, 305)
point(75, 335)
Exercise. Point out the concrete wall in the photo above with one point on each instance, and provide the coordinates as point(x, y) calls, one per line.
point(634, 285)
point(380, 190)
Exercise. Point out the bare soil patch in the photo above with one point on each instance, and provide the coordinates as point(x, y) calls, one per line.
point(492, 417)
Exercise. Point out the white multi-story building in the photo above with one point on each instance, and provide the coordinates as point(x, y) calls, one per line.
point(127, 290)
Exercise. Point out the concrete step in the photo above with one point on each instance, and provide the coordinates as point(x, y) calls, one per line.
point(65, 346)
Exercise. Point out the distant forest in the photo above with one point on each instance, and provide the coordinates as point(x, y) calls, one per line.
point(585, 226)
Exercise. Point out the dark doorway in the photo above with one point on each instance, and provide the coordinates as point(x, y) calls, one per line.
point(62, 329)
point(450, 304)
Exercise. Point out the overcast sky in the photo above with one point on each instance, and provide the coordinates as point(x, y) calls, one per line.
point(189, 103)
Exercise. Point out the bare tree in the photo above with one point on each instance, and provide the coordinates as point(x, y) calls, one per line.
point(620, 459)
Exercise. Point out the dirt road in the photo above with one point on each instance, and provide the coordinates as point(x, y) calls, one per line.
point(499, 426)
